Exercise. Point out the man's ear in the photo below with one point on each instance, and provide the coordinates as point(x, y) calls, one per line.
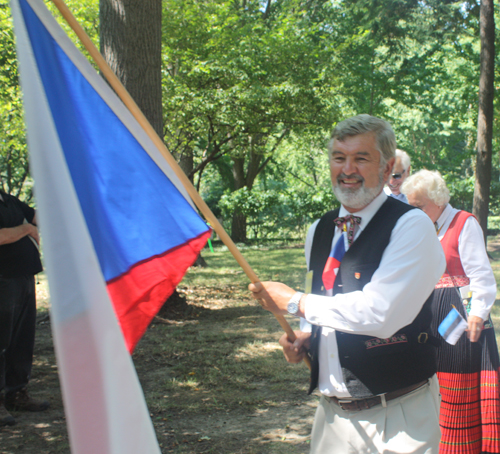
point(408, 171)
point(388, 169)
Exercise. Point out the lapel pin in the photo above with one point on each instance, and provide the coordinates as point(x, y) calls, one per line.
point(357, 275)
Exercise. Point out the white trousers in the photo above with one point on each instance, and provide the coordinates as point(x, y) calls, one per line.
point(409, 424)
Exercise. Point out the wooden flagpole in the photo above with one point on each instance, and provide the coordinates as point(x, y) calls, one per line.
point(141, 119)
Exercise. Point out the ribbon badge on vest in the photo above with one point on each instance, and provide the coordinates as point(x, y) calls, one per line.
point(347, 225)
point(332, 265)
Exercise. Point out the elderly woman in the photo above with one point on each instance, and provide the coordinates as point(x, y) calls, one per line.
point(468, 372)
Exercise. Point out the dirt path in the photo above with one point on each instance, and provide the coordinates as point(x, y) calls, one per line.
point(241, 432)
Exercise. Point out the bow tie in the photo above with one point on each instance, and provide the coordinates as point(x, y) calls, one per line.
point(342, 222)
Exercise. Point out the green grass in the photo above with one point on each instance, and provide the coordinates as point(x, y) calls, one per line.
point(284, 264)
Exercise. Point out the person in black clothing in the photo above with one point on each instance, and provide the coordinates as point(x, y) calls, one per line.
point(19, 263)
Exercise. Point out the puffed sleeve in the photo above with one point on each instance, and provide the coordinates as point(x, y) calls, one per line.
point(477, 267)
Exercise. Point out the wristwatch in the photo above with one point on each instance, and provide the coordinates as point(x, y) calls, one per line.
point(293, 304)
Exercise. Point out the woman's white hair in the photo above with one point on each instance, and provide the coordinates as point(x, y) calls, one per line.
point(430, 182)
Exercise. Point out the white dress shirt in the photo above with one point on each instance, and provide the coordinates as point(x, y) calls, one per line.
point(474, 260)
point(410, 267)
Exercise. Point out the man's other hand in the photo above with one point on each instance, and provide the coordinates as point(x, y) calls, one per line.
point(295, 351)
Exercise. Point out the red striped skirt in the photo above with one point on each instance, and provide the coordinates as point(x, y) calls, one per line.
point(469, 379)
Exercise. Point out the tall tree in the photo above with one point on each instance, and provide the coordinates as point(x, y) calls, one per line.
point(485, 117)
point(130, 40)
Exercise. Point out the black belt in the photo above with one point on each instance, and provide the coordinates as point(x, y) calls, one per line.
point(364, 404)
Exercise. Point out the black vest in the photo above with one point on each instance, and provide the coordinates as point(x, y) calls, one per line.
point(371, 365)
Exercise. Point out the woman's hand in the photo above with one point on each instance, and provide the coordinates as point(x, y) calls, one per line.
point(475, 328)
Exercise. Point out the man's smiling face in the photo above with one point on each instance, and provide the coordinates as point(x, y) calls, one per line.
point(398, 171)
point(357, 177)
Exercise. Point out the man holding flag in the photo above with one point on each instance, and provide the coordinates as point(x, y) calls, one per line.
point(372, 357)
point(19, 262)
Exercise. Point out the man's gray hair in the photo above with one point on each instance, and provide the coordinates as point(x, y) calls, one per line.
point(405, 158)
point(430, 182)
point(361, 124)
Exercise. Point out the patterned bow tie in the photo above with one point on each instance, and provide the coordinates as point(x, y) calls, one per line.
point(341, 223)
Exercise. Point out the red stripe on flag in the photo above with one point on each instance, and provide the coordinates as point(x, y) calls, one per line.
point(330, 272)
point(139, 294)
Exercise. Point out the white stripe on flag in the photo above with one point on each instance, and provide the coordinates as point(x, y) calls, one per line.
point(105, 407)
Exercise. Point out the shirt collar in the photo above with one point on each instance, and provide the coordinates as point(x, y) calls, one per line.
point(367, 213)
point(444, 215)
point(401, 197)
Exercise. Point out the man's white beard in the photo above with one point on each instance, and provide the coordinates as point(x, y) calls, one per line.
point(358, 198)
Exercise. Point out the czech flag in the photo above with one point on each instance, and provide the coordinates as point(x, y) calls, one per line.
point(332, 264)
point(118, 229)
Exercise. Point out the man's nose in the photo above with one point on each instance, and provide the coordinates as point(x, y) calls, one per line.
point(349, 167)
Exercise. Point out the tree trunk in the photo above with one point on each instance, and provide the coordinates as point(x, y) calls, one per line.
point(485, 116)
point(239, 221)
point(255, 163)
point(130, 40)
point(239, 228)
point(130, 37)
point(186, 162)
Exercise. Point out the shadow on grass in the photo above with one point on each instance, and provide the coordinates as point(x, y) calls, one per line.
point(224, 381)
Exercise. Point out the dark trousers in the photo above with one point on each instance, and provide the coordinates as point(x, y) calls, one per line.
point(17, 331)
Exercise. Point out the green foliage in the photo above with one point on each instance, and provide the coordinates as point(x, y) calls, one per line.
point(13, 151)
point(250, 93)
point(86, 13)
point(288, 195)
point(14, 165)
point(461, 192)
point(495, 197)
point(237, 80)
point(261, 208)
point(277, 212)
point(310, 204)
